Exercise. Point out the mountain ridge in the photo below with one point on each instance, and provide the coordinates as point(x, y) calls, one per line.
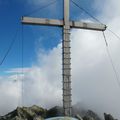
point(38, 113)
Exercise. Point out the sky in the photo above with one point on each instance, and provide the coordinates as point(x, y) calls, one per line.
point(94, 84)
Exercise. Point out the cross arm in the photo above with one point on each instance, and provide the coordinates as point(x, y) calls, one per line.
point(60, 23)
point(88, 26)
point(41, 21)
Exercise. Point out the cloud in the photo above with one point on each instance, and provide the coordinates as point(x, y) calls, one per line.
point(111, 5)
point(18, 70)
point(41, 84)
point(93, 80)
point(10, 94)
point(44, 80)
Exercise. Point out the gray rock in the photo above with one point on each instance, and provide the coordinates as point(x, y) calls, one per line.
point(55, 111)
point(108, 117)
point(26, 113)
point(79, 117)
point(88, 118)
point(38, 113)
point(91, 115)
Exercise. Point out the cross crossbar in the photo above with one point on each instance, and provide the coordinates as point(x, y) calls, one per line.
point(60, 23)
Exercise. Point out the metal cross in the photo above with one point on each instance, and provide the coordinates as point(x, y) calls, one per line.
point(66, 54)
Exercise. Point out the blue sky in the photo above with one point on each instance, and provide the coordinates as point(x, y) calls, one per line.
point(35, 37)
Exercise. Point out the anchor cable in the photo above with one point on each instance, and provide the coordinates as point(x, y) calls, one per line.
point(40, 8)
point(96, 19)
point(111, 61)
point(9, 48)
point(22, 71)
point(81, 8)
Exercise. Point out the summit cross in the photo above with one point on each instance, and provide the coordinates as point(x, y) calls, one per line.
point(66, 24)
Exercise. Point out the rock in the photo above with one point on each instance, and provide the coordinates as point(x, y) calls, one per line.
point(108, 117)
point(38, 118)
point(78, 111)
point(88, 118)
point(79, 117)
point(55, 111)
point(90, 115)
point(26, 113)
point(38, 113)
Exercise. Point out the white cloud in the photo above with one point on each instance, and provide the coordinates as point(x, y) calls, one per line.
point(18, 70)
point(111, 8)
point(42, 83)
point(9, 96)
point(93, 80)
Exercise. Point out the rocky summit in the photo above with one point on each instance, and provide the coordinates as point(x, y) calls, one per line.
point(38, 113)
point(26, 113)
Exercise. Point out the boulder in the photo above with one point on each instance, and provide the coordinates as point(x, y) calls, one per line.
point(79, 117)
point(88, 118)
point(55, 111)
point(108, 117)
point(90, 115)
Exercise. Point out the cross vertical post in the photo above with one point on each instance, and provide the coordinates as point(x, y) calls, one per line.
point(66, 61)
